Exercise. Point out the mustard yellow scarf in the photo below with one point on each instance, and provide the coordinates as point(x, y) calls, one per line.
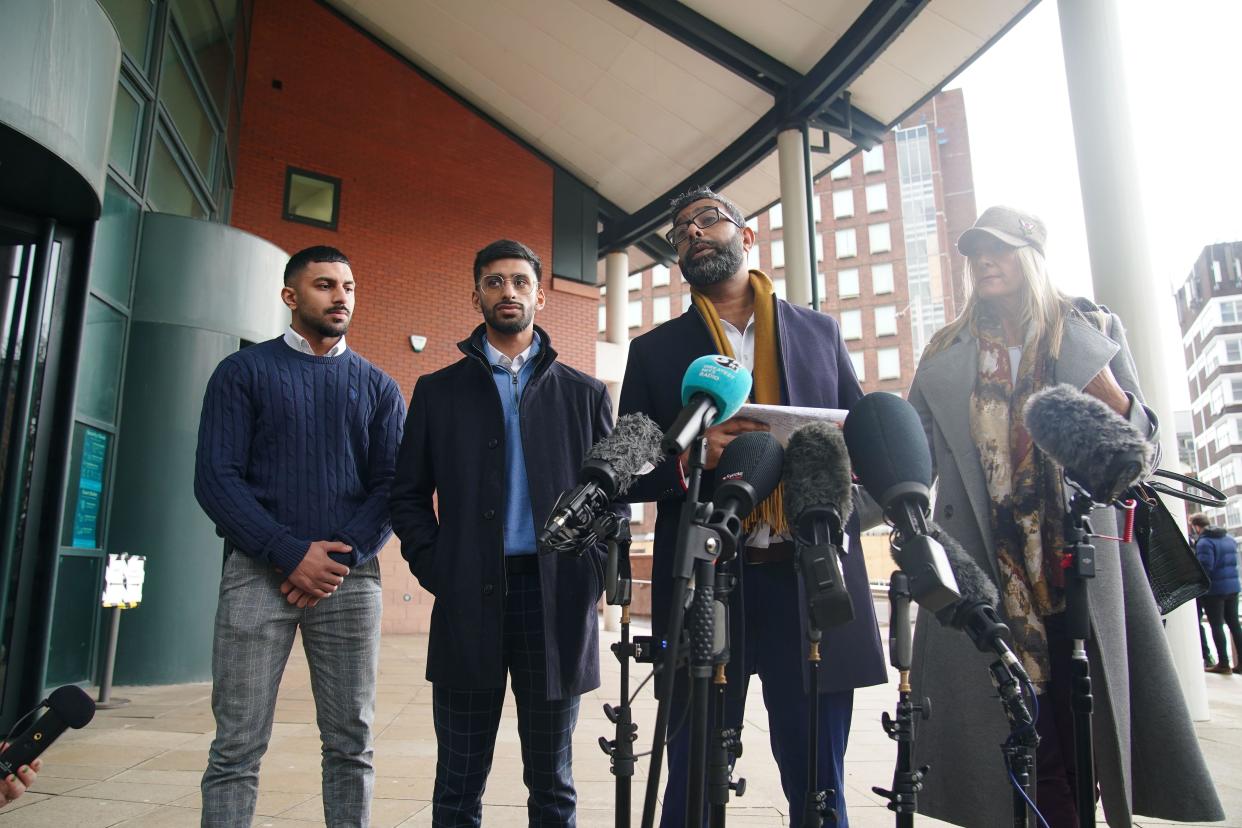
point(767, 377)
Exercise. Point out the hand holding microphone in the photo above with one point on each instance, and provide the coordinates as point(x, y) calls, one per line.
point(67, 706)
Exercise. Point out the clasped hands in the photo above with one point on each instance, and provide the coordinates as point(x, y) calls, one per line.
point(317, 576)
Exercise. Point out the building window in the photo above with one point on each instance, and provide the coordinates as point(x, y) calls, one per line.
point(1233, 350)
point(847, 283)
point(778, 254)
point(753, 224)
point(841, 170)
point(1230, 312)
point(819, 248)
point(752, 257)
point(659, 276)
point(312, 198)
point(881, 278)
point(847, 243)
point(603, 318)
point(879, 239)
point(842, 203)
point(888, 363)
point(1227, 474)
point(660, 309)
point(685, 301)
point(634, 281)
point(636, 512)
point(778, 287)
point(851, 324)
point(886, 320)
point(1235, 389)
point(860, 365)
point(1216, 399)
point(775, 217)
point(634, 315)
point(877, 198)
point(873, 159)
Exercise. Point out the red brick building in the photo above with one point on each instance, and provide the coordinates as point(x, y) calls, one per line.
point(424, 183)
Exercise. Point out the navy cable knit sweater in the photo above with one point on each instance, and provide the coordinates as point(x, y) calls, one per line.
point(294, 448)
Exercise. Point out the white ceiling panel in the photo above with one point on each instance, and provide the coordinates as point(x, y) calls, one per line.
point(631, 110)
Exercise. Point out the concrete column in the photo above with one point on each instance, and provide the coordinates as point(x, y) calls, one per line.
point(616, 273)
point(790, 152)
point(1120, 264)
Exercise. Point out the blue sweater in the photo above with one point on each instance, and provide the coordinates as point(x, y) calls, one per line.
point(294, 448)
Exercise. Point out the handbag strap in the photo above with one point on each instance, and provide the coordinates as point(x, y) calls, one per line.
point(1213, 497)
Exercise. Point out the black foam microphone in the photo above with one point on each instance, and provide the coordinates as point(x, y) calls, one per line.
point(748, 471)
point(818, 500)
point(975, 613)
point(889, 453)
point(67, 706)
point(631, 450)
point(1099, 450)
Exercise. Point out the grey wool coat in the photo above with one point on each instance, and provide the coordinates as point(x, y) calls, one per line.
point(1148, 760)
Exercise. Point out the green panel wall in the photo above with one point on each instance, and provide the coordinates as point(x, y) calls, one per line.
point(201, 288)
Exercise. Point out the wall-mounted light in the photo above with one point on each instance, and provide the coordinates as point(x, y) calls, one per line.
point(418, 343)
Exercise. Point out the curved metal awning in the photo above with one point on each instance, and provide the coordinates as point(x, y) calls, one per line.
point(640, 98)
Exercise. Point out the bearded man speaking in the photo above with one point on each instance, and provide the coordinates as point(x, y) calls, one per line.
point(797, 357)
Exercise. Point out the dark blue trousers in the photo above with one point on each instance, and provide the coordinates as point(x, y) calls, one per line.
point(776, 651)
point(466, 722)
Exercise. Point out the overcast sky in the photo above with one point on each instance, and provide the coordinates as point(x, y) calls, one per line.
point(1182, 65)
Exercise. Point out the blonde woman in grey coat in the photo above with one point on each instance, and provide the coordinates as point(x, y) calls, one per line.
point(1000, 497)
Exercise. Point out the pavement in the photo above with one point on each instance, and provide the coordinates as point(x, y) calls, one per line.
point(140, 765)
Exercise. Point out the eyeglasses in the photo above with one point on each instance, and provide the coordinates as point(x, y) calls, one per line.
point(703, 219)
point(495, 283)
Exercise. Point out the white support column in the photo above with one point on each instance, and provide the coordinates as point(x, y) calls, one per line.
point(796, 234)
point(1120, 264)
point(617, 331)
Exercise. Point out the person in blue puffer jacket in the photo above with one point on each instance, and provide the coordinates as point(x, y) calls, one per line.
point(1218, 553)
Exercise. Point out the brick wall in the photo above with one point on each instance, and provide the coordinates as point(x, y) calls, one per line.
point(425, 183)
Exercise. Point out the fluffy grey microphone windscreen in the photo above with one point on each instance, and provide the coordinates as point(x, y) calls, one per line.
point(817, 471)
point(973, 584)
point(632, 448)
point(1098, 449)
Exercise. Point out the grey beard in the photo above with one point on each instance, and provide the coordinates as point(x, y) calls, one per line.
point(712, 270)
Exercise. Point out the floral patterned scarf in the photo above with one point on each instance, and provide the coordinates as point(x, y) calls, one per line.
point(1025, 494)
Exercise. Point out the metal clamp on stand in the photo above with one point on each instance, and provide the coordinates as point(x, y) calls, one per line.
point(617, 592)
point(907, 780)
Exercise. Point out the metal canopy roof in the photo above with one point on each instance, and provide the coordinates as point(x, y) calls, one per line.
point(640, 98)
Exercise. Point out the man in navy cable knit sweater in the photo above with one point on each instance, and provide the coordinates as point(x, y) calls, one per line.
point(296, 452)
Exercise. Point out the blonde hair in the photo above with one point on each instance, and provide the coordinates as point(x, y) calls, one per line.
point(1043, 311)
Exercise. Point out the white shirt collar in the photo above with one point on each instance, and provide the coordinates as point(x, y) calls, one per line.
point(515, 364)
point(299, 343)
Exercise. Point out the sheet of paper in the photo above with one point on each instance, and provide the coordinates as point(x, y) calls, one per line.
point(784, 420)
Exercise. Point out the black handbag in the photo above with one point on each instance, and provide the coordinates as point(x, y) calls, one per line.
point(1173, 570)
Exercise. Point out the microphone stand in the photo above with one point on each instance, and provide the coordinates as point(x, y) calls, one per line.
point(1080, 568)
point(726, 743)
point(1019, 748)
point(907, 780)
point(697, 549)
point(617, 592)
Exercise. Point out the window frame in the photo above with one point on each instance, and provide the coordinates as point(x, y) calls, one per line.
point(291, 171)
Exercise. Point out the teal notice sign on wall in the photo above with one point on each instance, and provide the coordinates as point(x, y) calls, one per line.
point(90, 489)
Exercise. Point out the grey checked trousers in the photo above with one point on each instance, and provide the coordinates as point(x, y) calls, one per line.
point(255, 627)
